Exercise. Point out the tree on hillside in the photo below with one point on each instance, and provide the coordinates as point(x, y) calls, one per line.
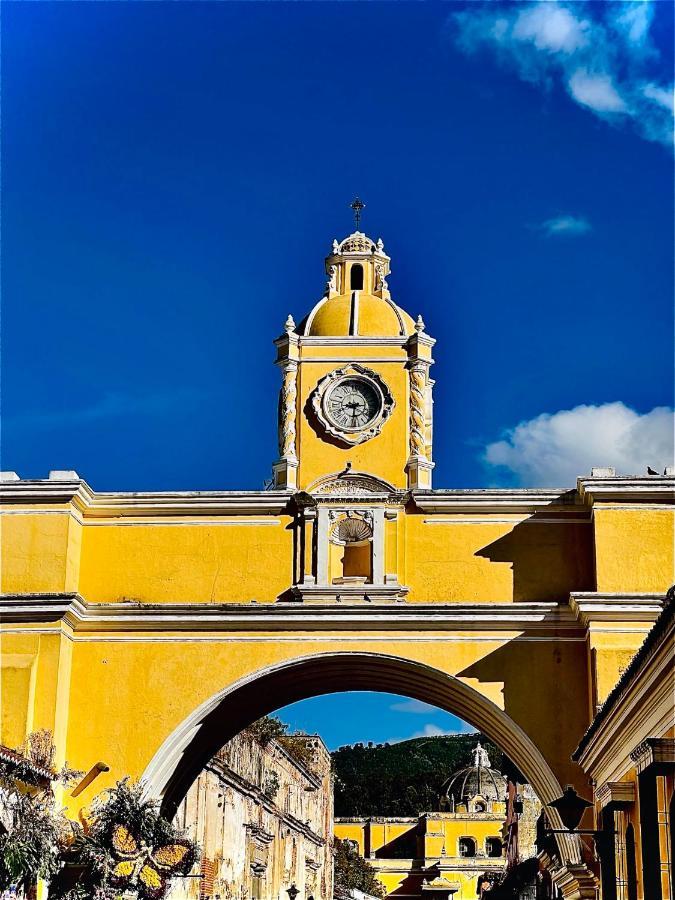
point(353, 871)
point(401, 779)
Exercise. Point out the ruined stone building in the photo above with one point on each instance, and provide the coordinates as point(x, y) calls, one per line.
point(264, 820)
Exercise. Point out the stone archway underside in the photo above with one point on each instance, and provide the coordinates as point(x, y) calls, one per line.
point(185, 752)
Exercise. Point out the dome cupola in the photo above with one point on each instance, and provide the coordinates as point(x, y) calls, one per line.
point(474, 785)
point(357, 300)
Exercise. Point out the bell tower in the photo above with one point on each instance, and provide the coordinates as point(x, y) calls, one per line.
point(355, 400)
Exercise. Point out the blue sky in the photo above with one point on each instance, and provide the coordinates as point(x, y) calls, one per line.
point(174, 174)
point(353, 716)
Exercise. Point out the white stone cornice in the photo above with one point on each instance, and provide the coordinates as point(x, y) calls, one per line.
point(516, 500)
point(538, 618)
point(160, 503)
point(351, 341)
point(627, 489)
point(658, 753)
point(598, 607)
point(617, 794)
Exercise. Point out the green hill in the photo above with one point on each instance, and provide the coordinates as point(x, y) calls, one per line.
point(401, 779)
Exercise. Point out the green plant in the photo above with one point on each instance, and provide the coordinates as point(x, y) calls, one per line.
point(353, 871)
point(32, 828)
point(129, 847)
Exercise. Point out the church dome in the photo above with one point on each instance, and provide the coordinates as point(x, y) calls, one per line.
point(477, 780)
point(357, 299)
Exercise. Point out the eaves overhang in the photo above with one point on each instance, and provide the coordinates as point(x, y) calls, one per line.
point(542, 619)
point(525, 501)
point(627, 489)
point(94, 504)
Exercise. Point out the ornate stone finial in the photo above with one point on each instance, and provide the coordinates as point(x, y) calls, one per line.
point(289, 324)
point(419, 324)
point(380, 245)
point(336, 246)
point(480, 757)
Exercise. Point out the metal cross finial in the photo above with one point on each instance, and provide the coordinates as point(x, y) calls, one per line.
point(357, 205)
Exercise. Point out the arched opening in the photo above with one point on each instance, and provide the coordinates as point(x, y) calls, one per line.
point(631, 865)
point(466, 846)
point(356, 277)
point(197, 739)
point(493, 847)
point(479, 806)
point(351, 551)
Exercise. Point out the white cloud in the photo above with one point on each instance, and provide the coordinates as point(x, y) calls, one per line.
point(662, 96)
point(598, 52)
point(596, 91)
point(413, 706)
point(565, 225)
point(553, 449)
point(551, 28)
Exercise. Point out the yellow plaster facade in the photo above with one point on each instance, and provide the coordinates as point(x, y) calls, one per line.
point(143, 628)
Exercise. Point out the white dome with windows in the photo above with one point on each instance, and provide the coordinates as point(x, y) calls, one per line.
point(474, 787)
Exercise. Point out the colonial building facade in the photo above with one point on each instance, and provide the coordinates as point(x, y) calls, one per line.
point(264, 821)
point(450, 851)
point(515, 609)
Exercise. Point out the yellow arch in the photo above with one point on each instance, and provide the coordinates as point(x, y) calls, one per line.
point(184, 753)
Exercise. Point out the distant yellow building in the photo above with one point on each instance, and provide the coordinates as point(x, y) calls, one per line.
point(263, 819)
point(146, 629)
point(446, 852)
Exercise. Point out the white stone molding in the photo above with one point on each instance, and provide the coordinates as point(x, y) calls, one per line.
point(602, 607)
point(322, 535)
point(617, 794)
point(627, 489)
point(325, 385)
point(288, 412)
point(654, 752)
point(418, 386)
point(525, 501)
point(419, 464)
point(351, 482)
point(91, 505)
point(542, 620)
point(378, 545)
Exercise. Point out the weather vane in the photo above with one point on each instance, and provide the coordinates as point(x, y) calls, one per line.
point(357, 205)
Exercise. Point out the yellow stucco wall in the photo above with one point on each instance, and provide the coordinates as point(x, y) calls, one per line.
point(230, 560)
point(634, 549)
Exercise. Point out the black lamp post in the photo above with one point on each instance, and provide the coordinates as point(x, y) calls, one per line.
point(292, 892)
point(571, 808)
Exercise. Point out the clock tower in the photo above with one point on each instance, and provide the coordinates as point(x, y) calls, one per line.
point(355, 401)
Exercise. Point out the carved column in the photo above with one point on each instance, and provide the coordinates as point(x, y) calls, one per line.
point(288, 413)
point(286, 467)
point(419, 464)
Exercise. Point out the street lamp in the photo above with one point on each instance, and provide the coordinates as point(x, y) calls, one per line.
point(571, 808)
point(292, 892)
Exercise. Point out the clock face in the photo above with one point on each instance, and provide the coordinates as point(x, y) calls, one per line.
point(353, 403)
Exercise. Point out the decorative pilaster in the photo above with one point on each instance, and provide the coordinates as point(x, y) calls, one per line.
point(419, 464)
point(286, 467)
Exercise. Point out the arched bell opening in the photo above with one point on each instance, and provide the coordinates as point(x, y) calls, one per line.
point(187, 750)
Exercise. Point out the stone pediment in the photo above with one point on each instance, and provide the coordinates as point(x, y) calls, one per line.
point(352, 484)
